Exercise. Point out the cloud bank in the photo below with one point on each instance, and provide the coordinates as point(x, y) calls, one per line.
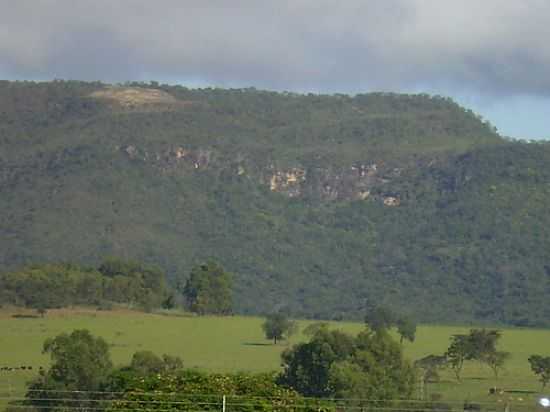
point(491, 47)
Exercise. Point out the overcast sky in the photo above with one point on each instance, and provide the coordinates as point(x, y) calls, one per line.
point(491, 55)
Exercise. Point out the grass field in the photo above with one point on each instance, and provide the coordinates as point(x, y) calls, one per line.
point(236, 343)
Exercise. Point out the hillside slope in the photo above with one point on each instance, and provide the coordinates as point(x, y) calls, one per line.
point(318, 204)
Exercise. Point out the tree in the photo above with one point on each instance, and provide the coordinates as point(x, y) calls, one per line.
point(458, 352)
point(277, 326)
point(307, 365)
point(209, 290)
point(482, 343)
point(495, 360)
point(406, 328)
point(172, 363)
point(336, 364)
point(313, 328)
point(386, 373)
point(479, 345)
point(429, 367)
point(41, 310)
point(80, 362)
point(134, 282)
point(146, 362)
point(540, 365)
point(379, 318)
point(483, 347)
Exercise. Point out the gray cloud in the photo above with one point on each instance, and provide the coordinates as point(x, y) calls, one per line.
point(495, 47)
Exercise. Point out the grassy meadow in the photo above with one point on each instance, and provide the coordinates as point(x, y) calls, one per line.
point(237, 343)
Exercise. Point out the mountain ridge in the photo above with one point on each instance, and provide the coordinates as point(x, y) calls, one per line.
point(319, 204)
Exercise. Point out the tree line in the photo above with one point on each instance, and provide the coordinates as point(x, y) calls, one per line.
point(206, 290)
point(57, 285)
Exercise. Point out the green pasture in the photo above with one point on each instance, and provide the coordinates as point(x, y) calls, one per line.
point(237, 343)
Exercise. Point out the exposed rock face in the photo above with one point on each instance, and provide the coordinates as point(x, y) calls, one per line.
point(288, 182)
point(326, 183)
point(134, 96)
point(391, 201)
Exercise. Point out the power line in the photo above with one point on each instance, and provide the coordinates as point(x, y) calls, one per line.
point(229, 396)
point(245, 401)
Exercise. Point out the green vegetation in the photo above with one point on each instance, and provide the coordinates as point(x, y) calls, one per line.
point(187, 389)
point(278, 326)
point(540, 365)
point(406, 328)
point(79, 362)
point(380, 318)
point(331, 364)
point(319, 205)
point(82, 376)
point(61, 285)
point(209, 290)
point(145, 362)
point(479, 345)
point(335, 364)
point(230, 344)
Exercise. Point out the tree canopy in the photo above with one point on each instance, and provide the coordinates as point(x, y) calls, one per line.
point(332, 363)
point(79, 362)
point(479, 345)
point(278, 326)
point(209, 290)
point(540, 365)
point(115, 280)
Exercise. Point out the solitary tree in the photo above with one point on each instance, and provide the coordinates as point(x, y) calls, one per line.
point(540, 365)
point(277, 326)
point(406, 328)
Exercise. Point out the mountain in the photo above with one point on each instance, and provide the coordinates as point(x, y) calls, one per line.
point(320, 205)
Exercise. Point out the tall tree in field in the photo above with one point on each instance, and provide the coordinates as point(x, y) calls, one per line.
point(483, 346)
point(278, 326)
point(495, 360)
point(458, 352)
point(209, 290)
point(406, 328)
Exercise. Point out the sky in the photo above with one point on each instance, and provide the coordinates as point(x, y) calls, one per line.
point(492, 56)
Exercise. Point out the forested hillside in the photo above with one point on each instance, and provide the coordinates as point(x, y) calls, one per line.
point(317, 204)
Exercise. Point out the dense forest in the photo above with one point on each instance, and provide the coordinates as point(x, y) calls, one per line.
point(318, 205)
point(49, 286)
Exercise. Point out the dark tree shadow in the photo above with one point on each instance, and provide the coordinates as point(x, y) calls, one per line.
point(256, 344)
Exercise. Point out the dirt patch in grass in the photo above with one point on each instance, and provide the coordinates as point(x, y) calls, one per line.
point(22, 313)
